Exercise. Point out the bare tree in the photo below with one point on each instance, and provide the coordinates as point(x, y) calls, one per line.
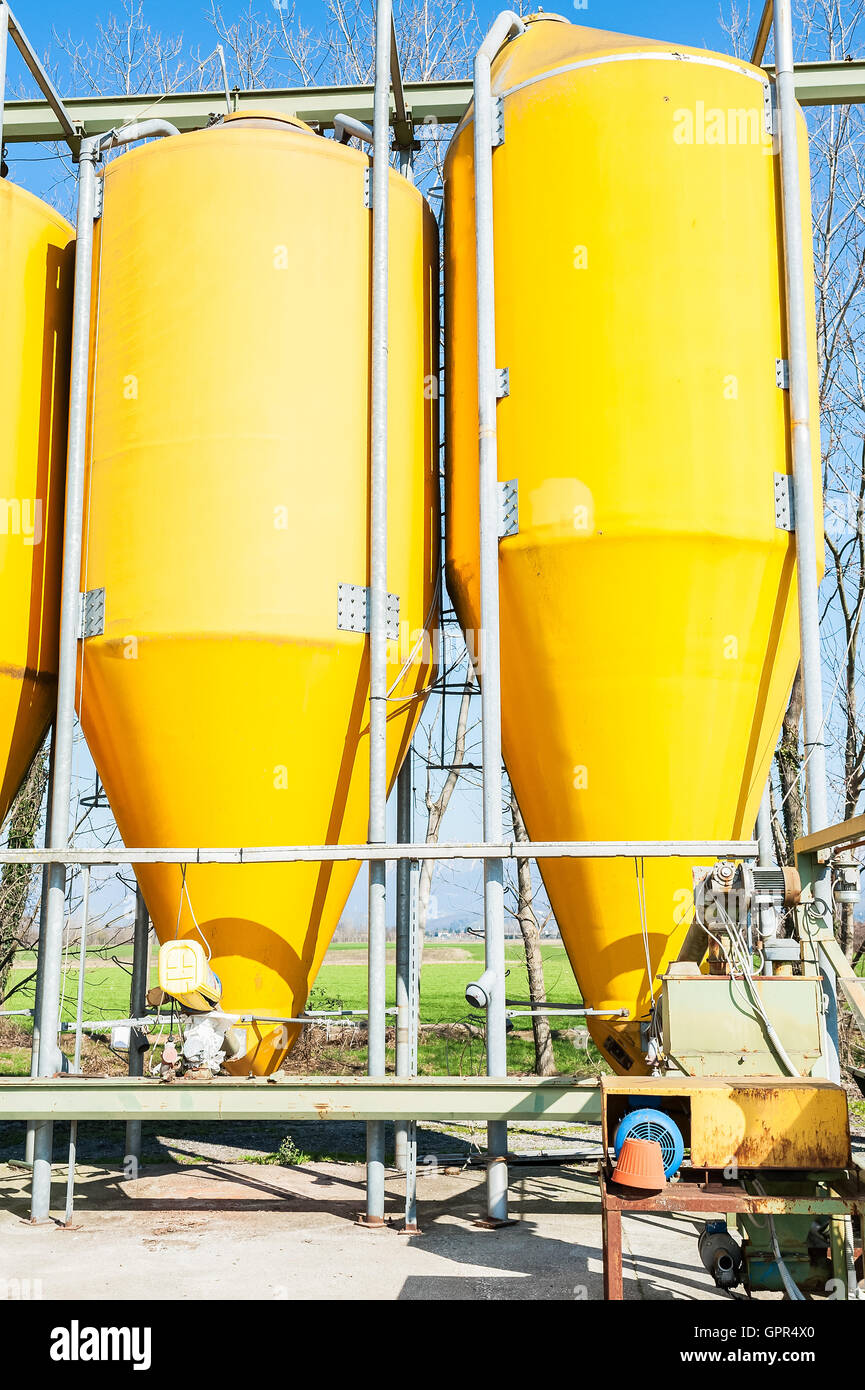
point(437, 804)
point(17, 880)
point(545, 1062)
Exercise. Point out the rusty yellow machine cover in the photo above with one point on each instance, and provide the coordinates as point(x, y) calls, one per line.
point(225, 694)
point(648, 598)
point(35, 328)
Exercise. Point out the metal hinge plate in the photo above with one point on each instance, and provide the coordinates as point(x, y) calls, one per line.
point(367, 186)
point(352, 610)
point(91, 614)
point(782, 373)
point(784, 514)
point(503, 383)
point(509, 513)
point(769, 118)
point(498, 122)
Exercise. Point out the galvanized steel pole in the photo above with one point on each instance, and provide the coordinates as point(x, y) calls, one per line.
point(79, 1016)
point(803, 474)
point(51, 947)
point(4, 48)
point(30, 1137)
point(489, 653)
point(377, 941)
point(137, 1009)
point(404, 925)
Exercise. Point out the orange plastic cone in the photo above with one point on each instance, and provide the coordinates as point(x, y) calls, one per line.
point(641, 1164)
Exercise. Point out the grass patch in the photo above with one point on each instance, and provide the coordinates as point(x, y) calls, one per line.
point(443, 986)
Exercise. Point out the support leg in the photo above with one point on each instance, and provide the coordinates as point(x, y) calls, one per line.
point(137, 1039)
point(612, 1240)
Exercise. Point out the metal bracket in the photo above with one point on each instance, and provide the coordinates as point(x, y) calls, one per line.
point(367, 186)
point(498, 137)
point(98, 196)
point(503, 383)
point(91, 614)
point(352, 610)
point(784, 514)
point(769, 108)
point(782, 373)
point(509, 515)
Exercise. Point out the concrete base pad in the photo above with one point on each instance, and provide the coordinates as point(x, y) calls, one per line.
point(264, 1232)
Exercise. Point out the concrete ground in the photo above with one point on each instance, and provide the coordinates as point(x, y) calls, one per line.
point(251, 1232)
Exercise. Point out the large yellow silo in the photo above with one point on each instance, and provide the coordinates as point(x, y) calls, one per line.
point(226, 698)
point(35, 326)
point(648, 599)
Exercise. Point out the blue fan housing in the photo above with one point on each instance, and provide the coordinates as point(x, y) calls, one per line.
point(653, 1124)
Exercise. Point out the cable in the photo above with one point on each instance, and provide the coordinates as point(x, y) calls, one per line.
point(794, 1293)
point(185, 890)
point(739, 950)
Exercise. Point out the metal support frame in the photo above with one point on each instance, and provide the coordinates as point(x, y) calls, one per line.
point(361, 854)
point(57, 838)
point(21, 121)
point(404, 797)
point(764, 31)
point(137, 1008)
point(698, 1193)
point(427, 103)
point(527, 1099)
point(376, 942)
point(79, 1034)
point(507, 24)
point(799, 397)
point(4, 48)
point(10, 28)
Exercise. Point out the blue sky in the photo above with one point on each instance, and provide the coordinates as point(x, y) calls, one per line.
point(686, 21)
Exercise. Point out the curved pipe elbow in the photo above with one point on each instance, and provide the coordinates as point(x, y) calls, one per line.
point(344, 127)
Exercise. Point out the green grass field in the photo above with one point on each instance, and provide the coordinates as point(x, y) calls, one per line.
point(343, 985)
point(106, 988)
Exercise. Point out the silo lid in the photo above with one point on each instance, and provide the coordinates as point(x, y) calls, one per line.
point(263, 120)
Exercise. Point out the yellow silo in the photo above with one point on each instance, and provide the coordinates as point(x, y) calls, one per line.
point(225, 700)
point(648, 599)
point(35, 327)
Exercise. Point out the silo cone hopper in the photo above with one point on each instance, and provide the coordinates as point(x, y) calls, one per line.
point(35, 327)
point(224, 677)
point(648, 589)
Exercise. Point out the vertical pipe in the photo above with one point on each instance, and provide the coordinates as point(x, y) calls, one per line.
point(137, 1008)
point(61, 782)
point(60, 792)
point(414, 960)
point(79, 1014)
point(489, 642)
point(803, 474)
point(404, 793)
point(30, 1137)
point(4, 47)
point(375, 1130)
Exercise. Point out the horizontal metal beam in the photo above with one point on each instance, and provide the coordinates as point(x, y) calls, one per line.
point(817, 84)
point(427, 103)
point(62, 120)
point(303, 1098)
point(328, 854)
point(847, 833)
point(828, 84)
